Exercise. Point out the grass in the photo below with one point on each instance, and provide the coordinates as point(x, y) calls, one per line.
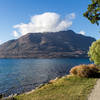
point(65, 88)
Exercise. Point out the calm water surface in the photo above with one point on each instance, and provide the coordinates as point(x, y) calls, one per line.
point(21, 75)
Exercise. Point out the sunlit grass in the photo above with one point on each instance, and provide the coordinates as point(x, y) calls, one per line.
point(66, 88)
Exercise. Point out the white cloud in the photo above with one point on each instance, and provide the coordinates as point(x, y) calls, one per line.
point(71, 16)
point(0, 42)
point(46, 22)
point(82, 32)
point(15, 34)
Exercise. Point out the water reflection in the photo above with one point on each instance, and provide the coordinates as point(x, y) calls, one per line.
point(20, 75)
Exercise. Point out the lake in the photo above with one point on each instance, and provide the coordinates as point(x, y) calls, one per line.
point(22, 75)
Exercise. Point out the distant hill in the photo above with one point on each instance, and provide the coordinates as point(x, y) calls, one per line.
point(47, 45)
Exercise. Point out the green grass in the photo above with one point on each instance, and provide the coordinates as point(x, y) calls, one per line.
point(66, 88)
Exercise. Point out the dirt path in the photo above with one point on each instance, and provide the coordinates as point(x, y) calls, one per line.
point(95, 95)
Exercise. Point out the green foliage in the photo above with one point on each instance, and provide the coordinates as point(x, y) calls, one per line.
point(94, 52)
point(93, 12)
point(85, 71)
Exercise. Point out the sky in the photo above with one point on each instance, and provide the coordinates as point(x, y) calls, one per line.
point(18, 17)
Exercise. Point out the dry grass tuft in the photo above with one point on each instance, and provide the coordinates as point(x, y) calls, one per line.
point(85, 71)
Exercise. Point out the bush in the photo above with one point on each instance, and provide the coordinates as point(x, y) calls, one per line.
point(94, 52)
point(85, 70)
point(1, 95)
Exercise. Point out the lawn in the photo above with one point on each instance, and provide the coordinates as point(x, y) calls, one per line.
point(65, 88)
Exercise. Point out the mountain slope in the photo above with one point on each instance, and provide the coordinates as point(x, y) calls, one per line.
point(47, 45)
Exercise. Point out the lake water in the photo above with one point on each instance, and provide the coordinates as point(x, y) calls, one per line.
point(21, 75)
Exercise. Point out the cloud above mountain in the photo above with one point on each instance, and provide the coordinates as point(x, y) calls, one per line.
point(46, 22)
point(15, 34)
point(82, 32)
point(0, 42)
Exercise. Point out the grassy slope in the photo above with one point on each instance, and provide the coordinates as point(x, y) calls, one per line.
point(66, 88)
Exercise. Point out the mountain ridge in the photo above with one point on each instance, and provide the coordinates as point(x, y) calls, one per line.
point(47, 45)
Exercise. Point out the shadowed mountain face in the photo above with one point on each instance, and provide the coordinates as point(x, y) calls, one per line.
point(47, 45)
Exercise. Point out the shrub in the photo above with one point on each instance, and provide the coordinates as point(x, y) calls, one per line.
point(1, 95)
point(85, 70)
point(94, 52)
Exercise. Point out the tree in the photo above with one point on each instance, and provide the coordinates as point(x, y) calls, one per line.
point(94, 52)
point(93, 12)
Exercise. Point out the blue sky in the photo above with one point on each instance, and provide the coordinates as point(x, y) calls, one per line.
point(13, 12)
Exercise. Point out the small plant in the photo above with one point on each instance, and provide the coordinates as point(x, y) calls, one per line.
point(85, 71)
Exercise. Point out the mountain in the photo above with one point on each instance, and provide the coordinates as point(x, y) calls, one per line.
point(47, 45)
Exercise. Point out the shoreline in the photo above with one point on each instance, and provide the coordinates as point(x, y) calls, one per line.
point(66, 84)
point(48, 58)
point(28, 92)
